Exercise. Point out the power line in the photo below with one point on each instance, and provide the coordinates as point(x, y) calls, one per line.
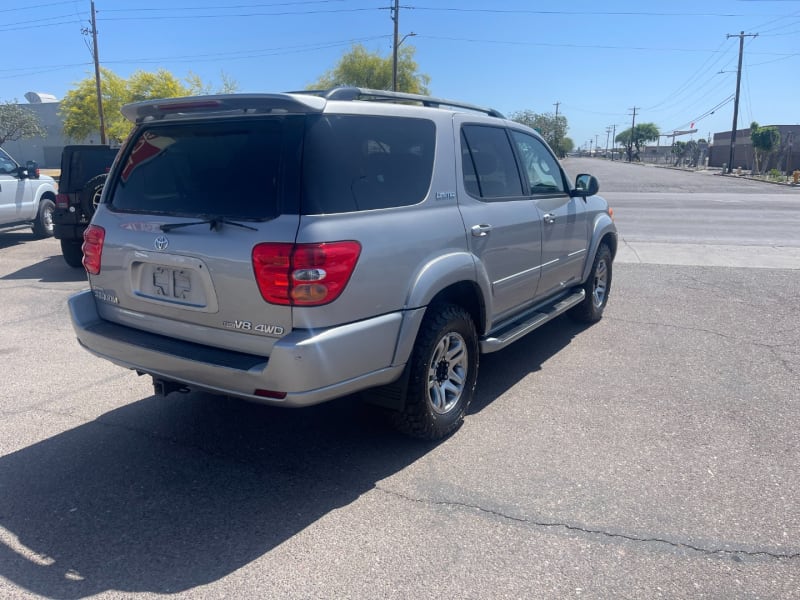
point(578, 12)
point(28, 7)
point(221, 7)
point(240, 15)
point(579, 46)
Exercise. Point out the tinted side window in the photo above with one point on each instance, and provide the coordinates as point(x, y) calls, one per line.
point(544, 174)
point(6, 164)
point(357, 162)
point(243, 168)
point(488, 163)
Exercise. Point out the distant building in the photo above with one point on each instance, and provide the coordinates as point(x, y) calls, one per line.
point(44, 150)
point(787, 158)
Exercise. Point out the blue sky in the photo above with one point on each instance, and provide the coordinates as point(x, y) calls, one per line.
point(597, 59)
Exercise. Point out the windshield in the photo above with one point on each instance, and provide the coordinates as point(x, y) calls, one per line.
point(244, 169)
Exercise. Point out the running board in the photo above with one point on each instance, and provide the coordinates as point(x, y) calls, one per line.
point(498, 340)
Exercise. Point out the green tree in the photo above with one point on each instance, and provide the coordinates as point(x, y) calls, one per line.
point(636, 138)
point(17, 122)
point(361, 68)
point(552, 128)
point(198, 87)
point(79, 106)
point(765, 140)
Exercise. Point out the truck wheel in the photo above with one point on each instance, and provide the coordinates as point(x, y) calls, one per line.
point(72, 252)
point(442, 374)
point(43, 225)
point(597, 288)
point(90, 194)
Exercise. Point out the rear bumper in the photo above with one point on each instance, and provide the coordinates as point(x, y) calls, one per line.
point(309, 366)
point(68, 225)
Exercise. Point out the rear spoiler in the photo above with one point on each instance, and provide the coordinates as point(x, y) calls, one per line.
point(223, 104)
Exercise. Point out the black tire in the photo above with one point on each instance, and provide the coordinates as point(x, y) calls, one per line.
point(90, 194)
point(446, 352)
point(72, 252)
point(597, 288)
point(43, 225)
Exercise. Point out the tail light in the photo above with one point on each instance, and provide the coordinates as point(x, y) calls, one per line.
point(304, 274)
point(62, 201)
point(93, 239)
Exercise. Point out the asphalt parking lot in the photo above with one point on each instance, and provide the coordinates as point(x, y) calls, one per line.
point(653, 454)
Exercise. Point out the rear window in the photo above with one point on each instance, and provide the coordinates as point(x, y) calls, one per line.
point(357, 162)
point(84, 163)
point(247, 168)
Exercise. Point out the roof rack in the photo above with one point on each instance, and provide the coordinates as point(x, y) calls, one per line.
point(357, 93)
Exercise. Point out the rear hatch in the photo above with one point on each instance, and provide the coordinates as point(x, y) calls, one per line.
point(80, 163)
point(185, 206)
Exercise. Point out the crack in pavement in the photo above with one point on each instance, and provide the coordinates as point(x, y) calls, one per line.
point(632, 249)
point(701, 330)
point(601, 532)
point(772, 348)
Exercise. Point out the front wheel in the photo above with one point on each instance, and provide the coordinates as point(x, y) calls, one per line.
point(597, 288)
point(442, 374)
point(43, 225)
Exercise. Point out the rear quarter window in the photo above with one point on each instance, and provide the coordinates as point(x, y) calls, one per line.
point(356, 162)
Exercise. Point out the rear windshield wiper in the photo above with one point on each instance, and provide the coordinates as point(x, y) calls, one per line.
point(215, 223)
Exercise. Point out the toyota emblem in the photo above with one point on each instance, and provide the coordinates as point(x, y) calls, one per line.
point(161, 243)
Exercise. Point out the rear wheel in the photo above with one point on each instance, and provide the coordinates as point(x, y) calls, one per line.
point(597, 288)
point(43, 225)
point(72, 252)
point(442, 374)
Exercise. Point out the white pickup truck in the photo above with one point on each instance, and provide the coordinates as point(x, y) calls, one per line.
point(26, 196)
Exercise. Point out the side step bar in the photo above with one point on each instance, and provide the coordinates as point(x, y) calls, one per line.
point(497, 340)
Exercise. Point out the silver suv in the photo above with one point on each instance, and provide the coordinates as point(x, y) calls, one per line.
point(293, 248)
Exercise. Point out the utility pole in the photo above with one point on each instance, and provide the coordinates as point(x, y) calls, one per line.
point(396, 19)
point(557, 132)
point(613, 139)
point(97, 78)
point(741, 35)
point(630, 141)
point(608, 133)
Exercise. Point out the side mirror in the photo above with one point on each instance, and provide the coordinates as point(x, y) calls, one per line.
point(585, 185)
point(32, 167)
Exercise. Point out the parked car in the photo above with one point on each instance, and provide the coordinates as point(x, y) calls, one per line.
point(83, 173)
point(26, 196)
point(292, 248)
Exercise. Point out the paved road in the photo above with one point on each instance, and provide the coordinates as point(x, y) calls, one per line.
point(651, 455)
point(698, 218)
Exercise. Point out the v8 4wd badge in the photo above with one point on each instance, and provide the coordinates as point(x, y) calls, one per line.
point(261, 328)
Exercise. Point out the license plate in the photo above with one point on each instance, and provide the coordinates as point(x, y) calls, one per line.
point(172, 283)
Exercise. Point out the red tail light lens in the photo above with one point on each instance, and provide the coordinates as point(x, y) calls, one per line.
point(62, 201)
point(93, 239)
point(304, 274)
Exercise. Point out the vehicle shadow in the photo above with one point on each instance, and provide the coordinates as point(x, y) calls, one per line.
point(502, 370)
point(14, 236)
point(52, 269)
point(167, 494)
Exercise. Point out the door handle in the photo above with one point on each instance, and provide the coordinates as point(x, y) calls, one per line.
point(481, 230)
point(549, 218)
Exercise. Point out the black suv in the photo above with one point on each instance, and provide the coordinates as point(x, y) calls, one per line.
point(83, 174)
